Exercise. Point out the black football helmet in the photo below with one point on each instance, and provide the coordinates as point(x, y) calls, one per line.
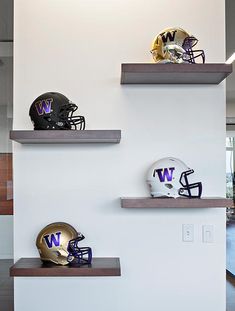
point(54, 111)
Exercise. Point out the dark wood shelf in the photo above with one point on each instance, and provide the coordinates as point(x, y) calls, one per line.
point(6, 207)
point(34, 267)
point(175, 203)
point(66, 137)
point(151, 73)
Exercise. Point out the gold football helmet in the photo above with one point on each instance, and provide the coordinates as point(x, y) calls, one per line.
point(58, 243)
point(174, 45)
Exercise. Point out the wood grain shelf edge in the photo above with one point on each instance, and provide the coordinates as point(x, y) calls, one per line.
point(152, 73)
point(67, 136)
point(148, 202)
point(33, 267)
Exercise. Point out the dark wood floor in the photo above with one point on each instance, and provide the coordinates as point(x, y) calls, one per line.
point(6, 288)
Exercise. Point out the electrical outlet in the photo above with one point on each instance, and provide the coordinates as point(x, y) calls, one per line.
point(188, 232)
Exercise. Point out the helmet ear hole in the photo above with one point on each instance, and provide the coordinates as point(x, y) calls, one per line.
point(47, 118)
point(169, 186)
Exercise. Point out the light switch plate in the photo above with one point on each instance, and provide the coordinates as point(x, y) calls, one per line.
point(207, 233)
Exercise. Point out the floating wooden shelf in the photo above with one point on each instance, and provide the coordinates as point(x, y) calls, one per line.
point(6, 207)
point(175, 203)
point(66, 137)
point(33, 267)
point(151, 73)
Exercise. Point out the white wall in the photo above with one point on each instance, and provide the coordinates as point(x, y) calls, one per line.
point(76, 48)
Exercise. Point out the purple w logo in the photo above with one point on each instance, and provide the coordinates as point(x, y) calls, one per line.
point(169, 36)
point(44, 106)
point(164, 173)
point(53, 239)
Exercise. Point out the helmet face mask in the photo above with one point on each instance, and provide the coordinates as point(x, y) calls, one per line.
point(81, 255)
point(191, 55)
point(190, 190)
point(58, 243)
point(175, 45)
point(169, 177)
point(54, 111)
point(72, 122)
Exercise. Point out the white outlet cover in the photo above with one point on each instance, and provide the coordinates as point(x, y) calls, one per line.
point(188, 232)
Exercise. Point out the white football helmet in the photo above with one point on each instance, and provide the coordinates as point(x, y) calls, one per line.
point(169, 177)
